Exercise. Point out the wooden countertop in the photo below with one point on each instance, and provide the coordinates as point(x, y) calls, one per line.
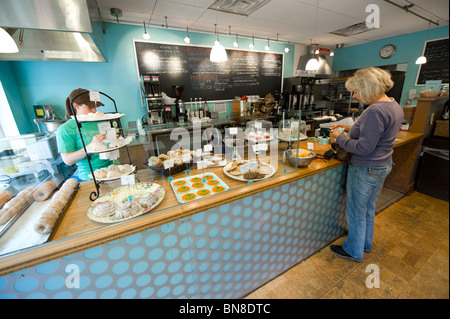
point(76, 232)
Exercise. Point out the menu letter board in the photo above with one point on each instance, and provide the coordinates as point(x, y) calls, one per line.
point(245, 72)
point(436, 68)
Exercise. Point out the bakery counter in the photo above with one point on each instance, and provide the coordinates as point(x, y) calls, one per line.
point(222, 246)
point(75, 231)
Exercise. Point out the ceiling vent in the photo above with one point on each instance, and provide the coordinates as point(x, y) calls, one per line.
point(352, 30)
point(242, 7)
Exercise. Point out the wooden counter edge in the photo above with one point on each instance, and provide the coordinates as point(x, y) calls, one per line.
point(67, 246)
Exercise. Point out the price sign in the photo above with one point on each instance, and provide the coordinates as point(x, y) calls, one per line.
point(186, 157)
point(201, 165)
point(207, 148)
point(127, 179)
point(94, 96)
point(168, 163)
point(233, 130)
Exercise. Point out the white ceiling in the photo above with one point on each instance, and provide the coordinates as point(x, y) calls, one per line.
point(293, 20)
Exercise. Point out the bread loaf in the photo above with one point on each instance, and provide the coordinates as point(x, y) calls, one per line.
point(44, 225)
point(44, 191)
point(4, 197)
point(13, 206)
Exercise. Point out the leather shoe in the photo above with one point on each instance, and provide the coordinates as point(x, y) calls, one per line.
point(340, 252)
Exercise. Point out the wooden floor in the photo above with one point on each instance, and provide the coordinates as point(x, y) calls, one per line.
point(411, 251)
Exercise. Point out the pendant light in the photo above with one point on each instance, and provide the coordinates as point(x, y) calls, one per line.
point(236, 43)
point(252, 45)
point(218, 53)
point(313, 63)
point(267, 47)
point(423, 59)
point(286, 49)
point(7, 43)
point(146, 36)
point(187, 39)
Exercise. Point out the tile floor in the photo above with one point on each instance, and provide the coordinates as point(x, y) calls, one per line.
point(411, 251)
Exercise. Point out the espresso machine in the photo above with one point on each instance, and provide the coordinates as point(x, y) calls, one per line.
point(179, 103)
point(153, 98)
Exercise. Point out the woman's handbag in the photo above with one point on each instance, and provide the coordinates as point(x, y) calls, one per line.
point(341, 153)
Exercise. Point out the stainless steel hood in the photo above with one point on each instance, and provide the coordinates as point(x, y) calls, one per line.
point(324, 70)
point(53, 30)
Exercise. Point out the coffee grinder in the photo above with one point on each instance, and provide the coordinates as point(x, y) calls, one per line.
point(179, 103)
point(153, 98)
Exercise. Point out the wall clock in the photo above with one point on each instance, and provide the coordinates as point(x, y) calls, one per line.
point(387, 51)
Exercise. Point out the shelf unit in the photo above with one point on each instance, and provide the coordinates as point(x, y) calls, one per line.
point(343, 99)
point(95, 194)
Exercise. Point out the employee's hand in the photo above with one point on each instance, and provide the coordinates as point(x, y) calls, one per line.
point(99, 137)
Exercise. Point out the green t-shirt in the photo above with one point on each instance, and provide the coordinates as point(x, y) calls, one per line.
point(68, 140)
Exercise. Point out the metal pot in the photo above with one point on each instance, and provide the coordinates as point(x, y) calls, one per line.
point(52, 126)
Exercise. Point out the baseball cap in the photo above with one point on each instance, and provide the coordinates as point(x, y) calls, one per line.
point(83, 99)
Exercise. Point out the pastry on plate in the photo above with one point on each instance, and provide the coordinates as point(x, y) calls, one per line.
point(105, 209)
point(127, 209)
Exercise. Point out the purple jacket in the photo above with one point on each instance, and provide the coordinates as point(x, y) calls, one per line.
point(372, 137)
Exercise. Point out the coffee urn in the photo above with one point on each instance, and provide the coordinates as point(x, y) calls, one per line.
point(179, 103)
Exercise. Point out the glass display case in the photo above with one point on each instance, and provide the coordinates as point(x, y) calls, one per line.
point(148, 176)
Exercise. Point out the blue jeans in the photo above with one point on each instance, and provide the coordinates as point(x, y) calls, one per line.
point(363, 186)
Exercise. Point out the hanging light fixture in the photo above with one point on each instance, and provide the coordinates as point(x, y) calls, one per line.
point(236, 43)
point(187, 39)
point(218, 53)
point(252, 45)
point(267, 47)
point(286, 49)
point(313, 64)
point(146, 36)
point(332, 53)
point(7, 43)
point(423, 59)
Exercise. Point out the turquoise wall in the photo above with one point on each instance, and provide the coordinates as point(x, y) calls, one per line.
point(409, 48)
point(50, 82)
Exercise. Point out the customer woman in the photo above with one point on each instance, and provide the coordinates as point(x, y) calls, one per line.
point(68, 138)
point(370, 140)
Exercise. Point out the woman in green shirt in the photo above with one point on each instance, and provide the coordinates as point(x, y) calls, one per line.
point(68, 138)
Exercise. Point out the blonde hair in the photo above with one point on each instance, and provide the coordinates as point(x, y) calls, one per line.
point(370, 84)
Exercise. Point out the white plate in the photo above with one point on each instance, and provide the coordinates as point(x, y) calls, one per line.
point(105, 117)
point(241, 177)
point(122, 193)
point(126, 141)
point(302, 138)
point(133, 169)
point(254, 140)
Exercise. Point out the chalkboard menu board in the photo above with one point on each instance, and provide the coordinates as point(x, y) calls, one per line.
point(436, 68)
point(245, 72)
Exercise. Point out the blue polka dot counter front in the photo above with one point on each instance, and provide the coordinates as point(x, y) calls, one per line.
point(225, 252)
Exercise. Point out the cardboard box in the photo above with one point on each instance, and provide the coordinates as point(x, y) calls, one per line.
point(442, 128)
